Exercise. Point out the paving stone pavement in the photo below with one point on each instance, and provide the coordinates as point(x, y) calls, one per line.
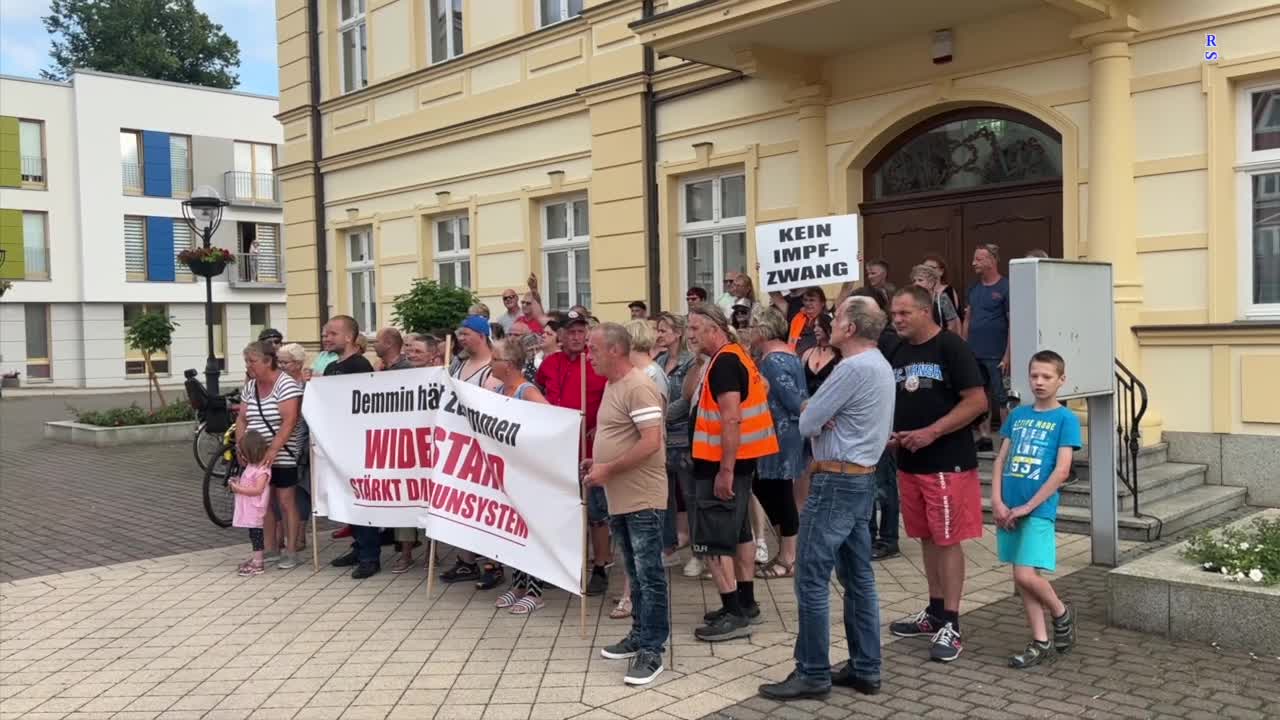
point(67, 507)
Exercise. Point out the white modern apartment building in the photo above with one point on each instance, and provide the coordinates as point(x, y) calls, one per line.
point(93, 173)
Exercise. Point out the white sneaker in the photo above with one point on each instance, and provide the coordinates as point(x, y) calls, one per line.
point(762, 551)
point(288, 561)
point(693, 568)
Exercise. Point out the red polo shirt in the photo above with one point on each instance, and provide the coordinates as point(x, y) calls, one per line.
point(560, 378)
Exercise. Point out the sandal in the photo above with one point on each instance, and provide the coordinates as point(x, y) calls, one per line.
point(250, 569)
point(776, 569)
point(506, 599)
point(528, 604)
point(622, 609)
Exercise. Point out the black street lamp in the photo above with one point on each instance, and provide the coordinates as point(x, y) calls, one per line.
point(203, 212)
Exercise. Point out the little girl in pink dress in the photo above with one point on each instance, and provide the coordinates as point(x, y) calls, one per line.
point(253, 495)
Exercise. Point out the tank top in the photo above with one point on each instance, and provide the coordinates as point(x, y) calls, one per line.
point(813, 380)
point(520, 391)
point(477, 378)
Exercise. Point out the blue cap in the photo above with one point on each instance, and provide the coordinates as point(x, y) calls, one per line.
point(476, 323)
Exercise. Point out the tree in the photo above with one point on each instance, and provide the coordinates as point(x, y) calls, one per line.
point(431, 307)
point(158, 39)
point(150, 333)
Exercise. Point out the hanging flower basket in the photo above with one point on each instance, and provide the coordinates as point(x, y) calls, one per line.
point(207, 262)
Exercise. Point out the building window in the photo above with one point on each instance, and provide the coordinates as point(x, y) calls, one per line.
point(182, 240)
point(566, 253)
point(254, 177)
point(259, 319)
point(354, 36)
point(135, 248)
point(220, 335)
point(131, 161)
point(142, 262)
point(360, 279)
point(133, 361)
point(37, 326)
point(180, 165)
point(260, 259)
point(453, 251)
point(554, 11)
point(31, 149)
point(713, 230)
point(1258, 198)
point(35, 245)
point(446, 29)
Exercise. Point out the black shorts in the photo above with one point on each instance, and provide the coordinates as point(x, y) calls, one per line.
point(719, 526)
point(284, 476)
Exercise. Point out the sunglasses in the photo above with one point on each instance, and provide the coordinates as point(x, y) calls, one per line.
point(508, 297)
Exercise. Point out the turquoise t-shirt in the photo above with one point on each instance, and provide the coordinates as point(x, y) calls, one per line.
point(1034, 440)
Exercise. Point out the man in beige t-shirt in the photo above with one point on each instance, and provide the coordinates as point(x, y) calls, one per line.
point(629, 463)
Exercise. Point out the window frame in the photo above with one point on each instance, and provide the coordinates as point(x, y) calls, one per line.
point(368, 266)
point(131, 355)
point(357, 22)
point(173, 174)
point(564, 11)
point(450, 51)
point(48, 260)
point(142, 177)
point(256, 329)
point(43, 182)
point(717, 227)
point(455, 256)
point(570, 244)
point(1250, 163)
point(254, 171)
point(47, 360)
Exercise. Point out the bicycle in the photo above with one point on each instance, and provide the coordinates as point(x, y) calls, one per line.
point(216, 414)
point(222, 466)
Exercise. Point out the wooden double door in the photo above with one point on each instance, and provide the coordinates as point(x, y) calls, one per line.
point(1017, 219)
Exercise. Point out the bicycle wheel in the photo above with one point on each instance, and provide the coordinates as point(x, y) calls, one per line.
point(219, 501)
point(203, 445)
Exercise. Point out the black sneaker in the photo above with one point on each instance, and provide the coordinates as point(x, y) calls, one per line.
point(946, 644)
point(598, 583)
point(880, 551)
point(725, 627)
point(347, 560)
point(460, 572)
point(794, 688)
point(1035, 654)
point(753, 614)
point(922, 623)
point(985, 445)
point(366, 569)
point(844, 677)
point(1064, 631)
point(645, 667)
point(625, 648)
point(490, 577)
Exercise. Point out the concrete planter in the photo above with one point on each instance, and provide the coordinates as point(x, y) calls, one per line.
point(81, 434)
point(1167, 595)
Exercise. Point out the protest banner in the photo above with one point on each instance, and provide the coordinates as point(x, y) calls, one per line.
point(813, 251)
point(472, 468)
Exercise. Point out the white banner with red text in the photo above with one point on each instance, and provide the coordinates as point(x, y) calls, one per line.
point(472, 468)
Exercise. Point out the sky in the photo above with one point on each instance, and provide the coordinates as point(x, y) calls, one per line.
point(24, 43)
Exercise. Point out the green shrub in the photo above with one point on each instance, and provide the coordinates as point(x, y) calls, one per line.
point(133, 415)
point(429, 306)
point(1241, 554)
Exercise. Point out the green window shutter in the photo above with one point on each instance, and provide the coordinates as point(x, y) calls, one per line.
point(14, 267)
point(10, 156)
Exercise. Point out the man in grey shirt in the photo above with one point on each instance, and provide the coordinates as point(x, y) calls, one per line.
point(849, 419)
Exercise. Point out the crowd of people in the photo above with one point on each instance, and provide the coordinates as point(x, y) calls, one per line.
point(822, 420)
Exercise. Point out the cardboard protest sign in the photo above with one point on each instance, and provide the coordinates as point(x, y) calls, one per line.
point(474, 469)
point(813, 251)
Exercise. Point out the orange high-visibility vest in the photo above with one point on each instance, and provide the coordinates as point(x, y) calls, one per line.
point(756, 438)
point(798, 324)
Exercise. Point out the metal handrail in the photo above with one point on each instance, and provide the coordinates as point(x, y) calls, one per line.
point(33, 169)
point(1131, 406)
point(242, 186)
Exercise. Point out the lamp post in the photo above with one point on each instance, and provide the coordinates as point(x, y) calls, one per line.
point(203, 213)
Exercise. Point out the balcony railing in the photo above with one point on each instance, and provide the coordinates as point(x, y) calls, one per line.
point(259, 269)
point(250, 188)
point(131, 173)
point(33, 169)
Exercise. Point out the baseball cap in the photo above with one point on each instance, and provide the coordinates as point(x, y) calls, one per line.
point(270, 334)
point(476, 323)
point(573, 317)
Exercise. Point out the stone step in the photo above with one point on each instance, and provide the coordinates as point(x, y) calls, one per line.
point(1176, 512)
point(1152, 456)
point(1154, 483)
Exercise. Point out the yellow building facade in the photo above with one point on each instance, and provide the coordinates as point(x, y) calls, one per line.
point(624, 150)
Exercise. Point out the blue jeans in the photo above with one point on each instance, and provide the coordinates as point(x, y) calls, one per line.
point(368, 543)
point(886, 530)
point(597, 506)
point(834, 534)
point(639, 534)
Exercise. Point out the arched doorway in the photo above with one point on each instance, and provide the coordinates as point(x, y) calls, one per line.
point(959, 179)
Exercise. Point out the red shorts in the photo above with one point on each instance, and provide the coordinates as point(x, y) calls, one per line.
point(943, 508)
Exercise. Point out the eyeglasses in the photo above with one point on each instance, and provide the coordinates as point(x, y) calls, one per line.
point(508, 297)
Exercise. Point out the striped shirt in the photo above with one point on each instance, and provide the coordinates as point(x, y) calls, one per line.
point(262, 414)
point(629, 405)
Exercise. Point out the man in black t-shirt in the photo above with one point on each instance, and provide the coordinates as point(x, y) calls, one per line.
point(339, 337)
point(940, 393)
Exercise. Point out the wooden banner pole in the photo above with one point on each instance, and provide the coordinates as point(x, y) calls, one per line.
point(315, 546)
point(586, 531)
point(431, 546)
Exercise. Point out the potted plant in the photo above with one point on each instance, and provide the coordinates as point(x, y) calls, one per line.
point(207, 261)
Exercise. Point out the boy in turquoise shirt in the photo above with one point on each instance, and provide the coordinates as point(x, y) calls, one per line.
point(1034, 461)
